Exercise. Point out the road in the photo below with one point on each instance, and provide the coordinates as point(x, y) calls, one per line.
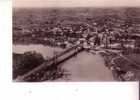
point(87, 67)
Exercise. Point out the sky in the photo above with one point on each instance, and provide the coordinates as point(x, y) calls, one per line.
point(75, 3)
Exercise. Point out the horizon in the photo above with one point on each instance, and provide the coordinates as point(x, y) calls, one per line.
point(119, 7)
point(74, 3)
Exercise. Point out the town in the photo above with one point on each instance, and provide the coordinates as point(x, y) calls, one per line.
point(113, 32)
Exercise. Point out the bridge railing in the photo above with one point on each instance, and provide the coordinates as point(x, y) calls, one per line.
point(62, 53)
point(62, 56)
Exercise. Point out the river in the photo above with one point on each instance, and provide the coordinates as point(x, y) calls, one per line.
point(87, 67)
point(46, 51)
point(83, 67)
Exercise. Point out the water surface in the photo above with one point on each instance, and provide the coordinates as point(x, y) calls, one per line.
point(46, 51)
point(87, 67)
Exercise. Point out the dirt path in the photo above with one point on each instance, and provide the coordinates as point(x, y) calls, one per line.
point(87, 67)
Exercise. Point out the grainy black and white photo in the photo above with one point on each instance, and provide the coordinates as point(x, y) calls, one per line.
point(75, 40)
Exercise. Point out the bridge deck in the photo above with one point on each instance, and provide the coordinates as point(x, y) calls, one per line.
point(56, 59)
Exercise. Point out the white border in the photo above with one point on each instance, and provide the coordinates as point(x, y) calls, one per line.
point(52, 91)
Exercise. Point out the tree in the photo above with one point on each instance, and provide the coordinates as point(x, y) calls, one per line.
point(26, 62)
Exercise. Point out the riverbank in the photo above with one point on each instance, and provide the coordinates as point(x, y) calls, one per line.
point(123, 67)
point(85, 66)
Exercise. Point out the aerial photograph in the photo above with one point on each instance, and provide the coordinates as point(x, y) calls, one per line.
point(75, 41)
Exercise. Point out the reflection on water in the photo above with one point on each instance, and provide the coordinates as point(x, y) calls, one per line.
point(46, 51)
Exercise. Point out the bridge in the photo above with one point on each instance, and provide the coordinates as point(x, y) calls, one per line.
point(54, 61)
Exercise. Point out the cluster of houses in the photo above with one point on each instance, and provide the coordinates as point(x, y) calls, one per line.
point(69, 34)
